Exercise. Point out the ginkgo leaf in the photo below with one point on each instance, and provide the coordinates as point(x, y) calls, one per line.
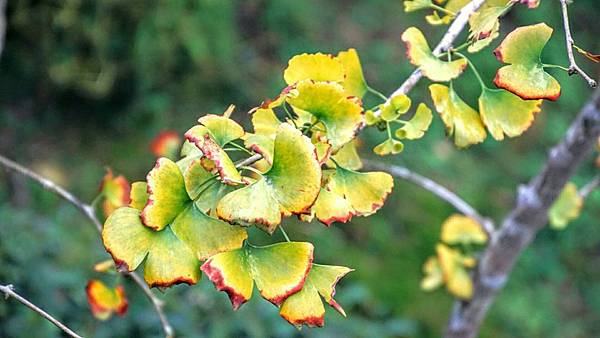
point(566, 208)
point(415, 5)
point(371, 118)
point(591, 56)
point(354, 83)
point(105, 301)
point(115, 191)
point(531, 3)
point(525, 75)
point(435, 19)
point(278, 270)
point(389, 147)
point(460, 119)
point(434, 276)
point(502, 112)
point(289, 187)
point(328, 103)
point(484, 27)
point(167, 196)
point(104, 266)
point(166, 144)
point(330, 207)
point(432, 67)
point(459, 229)
point(394, 107)
point(222, 129)
point(305, 307)
point(169, 261)
point(211, 147)
point(454, 6)
point(366, 192)
point(202, 187)
point(416, 127)
point(316, 67)
point(457, 279)
point(347, 156)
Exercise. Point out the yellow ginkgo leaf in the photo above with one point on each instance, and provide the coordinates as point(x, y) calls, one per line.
point(566, 208)
point(457, 279)
point(459, 229)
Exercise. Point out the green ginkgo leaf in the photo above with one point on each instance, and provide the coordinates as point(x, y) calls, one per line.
point(460, 119)
point(316, 67)
point(484, 27)
point(502, 112)
point(434, 276)
point(202, 187)
point(278, 270)
point(366, 192)
point(566, 208)
point(415, 5)
point(289, 187)
point(354, 82)
point(394, 107)
point(305, 307)
point(347, 156)
point(389, 147)
point(525, 75)
point(416, 127)
point(432, 67)
point(138, 195)
point(329, 104)
point(265, 124)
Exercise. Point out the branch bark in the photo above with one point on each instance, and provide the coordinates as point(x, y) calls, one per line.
point(437, 189)
point(9, 291)
point(528, 216)
point(88, 211)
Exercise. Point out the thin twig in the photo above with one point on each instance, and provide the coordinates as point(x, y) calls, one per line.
point(437, 189)
point(587, 189)
point(573, 67)
point(88, 211)
point(8, 291)
point(248, 161)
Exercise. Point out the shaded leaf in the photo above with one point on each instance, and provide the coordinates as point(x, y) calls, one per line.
point(347, 156)
point(525, 75)
point(566, 208)
point(265, 124)
point(434, 276)
point(389, 147)
point(415, 5)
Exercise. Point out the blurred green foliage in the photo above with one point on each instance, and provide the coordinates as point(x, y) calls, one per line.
point(87, 84)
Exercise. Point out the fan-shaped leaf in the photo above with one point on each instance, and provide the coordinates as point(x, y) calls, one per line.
point(366, 192)
point(105, 301)
point(316, 67)
point(484, 27)
point(505, 113)
point(278, 270)
point(389, 147)
point(265, 124)
point(566, 208)
point(354, 83)
point(459, 229)
point(115, 191)
point(432, 67)
point(460, 119)
point(166, 144)
point(525, 75)
point(416, 127)
point(434, 276)
point(347, 156)
point(457, 279)
point(306, 307)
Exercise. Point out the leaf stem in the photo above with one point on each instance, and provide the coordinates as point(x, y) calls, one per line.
point(287, 238)
point(442, 9)
point(241, 148)
point(254, 170)
point(546, 65)
point(290, 116)
point(377, 93)
point(474, 69)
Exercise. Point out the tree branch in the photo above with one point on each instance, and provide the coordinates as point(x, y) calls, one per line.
point(589, 187)
point(528, 216)
point(88, 211)
point(437, 189)
point(8, 291)
point(573, 67)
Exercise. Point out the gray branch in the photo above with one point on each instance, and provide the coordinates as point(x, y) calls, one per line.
point(528, 216)
point(9, 291)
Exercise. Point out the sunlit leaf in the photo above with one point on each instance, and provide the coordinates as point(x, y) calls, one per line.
point(566, 208)
point(432, 67)
point(460, 119)
point(139, 195)
point(105, 301)
point(416, 127)
point(525, 75)
point(330, 207)
point(505, 113)
point(328, 103)
point(434, 276)
point(316, 67)
point(305, 307)
point(396, 106)
point(166, 144)
point(389, 147)
point(456, 277)
point(459, 229)
point(289, 187)
point(279, 270)
point(366, 192)
point(354, 83)
point(347, 156)
point(115, 191)
point(484, 27)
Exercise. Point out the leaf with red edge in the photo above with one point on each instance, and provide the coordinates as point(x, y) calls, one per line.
point(502, 112)
point(265, 124)
point(105, 301)
point(289, 187)
point(278, 270)
point(420, 55)
point(525, 75)
point(115, 191)
point(166, 144)
point(305, 307)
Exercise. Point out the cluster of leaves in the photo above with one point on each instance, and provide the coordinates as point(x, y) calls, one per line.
point(461, 236)
point(190, 216)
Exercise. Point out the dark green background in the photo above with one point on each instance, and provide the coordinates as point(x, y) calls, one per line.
point(87, 84)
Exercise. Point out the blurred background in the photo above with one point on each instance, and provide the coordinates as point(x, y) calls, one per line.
point(88, 84)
